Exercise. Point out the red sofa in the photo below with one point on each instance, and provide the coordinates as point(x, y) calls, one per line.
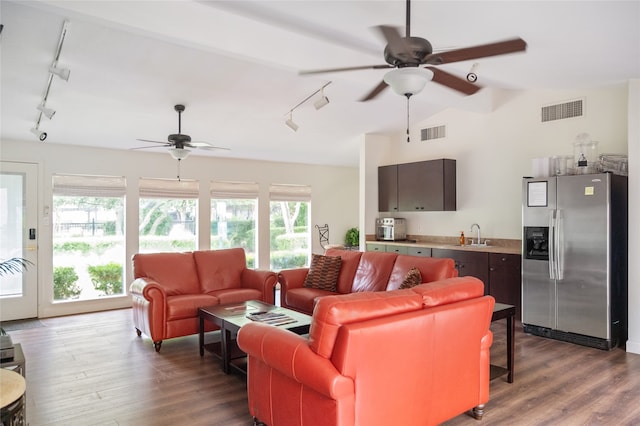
point(168, 289)
point(361, 271)
point(416, 356)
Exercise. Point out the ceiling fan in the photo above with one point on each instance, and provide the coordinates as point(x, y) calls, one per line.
point(407, 54)
point(178, 142)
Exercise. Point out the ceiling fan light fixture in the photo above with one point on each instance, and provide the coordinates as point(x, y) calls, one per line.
point(408, 81)
point(179, 153)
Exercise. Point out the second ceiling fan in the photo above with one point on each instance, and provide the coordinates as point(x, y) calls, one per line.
point(408, 54)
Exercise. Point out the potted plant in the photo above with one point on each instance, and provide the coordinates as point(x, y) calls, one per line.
point(13, 265)
point(352, 238)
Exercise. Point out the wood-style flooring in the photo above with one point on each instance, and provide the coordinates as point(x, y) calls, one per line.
point(92, 369)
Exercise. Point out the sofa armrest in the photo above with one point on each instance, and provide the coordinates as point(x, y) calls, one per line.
point(149, 307)
point(262, 280)
point(290, 355)
point(291, 278)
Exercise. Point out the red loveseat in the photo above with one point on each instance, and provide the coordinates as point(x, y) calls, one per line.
point(170, 287)
point(416, 356)
point(361, 271)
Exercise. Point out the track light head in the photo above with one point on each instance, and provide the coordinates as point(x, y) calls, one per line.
point(293, 126)
point(48, 112)
point(40, 134)
point(323, 101)
point(63, 73)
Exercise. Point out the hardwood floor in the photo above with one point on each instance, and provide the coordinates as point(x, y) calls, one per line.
point(92, 369)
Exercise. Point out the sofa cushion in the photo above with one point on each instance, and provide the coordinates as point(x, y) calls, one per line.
point(323, 272)
point(374, 271)
point(176, 272)
point(412, 279)
point(186, 305)
point(348, 268)
point(235, 295)
point(450, 290)
point(220, 269)
point(303, 299)
point(431, 269)
point(333, 311)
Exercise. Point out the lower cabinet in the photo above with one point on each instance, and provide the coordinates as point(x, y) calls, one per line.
point(419, 251)
point(505, 279)
point(471, 263)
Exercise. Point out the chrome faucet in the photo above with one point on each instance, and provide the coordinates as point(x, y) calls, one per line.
point(479, 242)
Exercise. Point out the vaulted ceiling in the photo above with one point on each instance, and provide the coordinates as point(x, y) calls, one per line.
point(235, 64)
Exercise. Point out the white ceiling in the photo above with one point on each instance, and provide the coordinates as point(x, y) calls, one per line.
point(234, 64)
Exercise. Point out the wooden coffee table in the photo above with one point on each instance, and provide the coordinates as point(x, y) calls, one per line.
point(231, 317)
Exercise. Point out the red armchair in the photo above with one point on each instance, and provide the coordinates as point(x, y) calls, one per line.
point(401, 357)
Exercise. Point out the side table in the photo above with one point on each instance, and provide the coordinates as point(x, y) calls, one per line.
point(12, 398)
point(500, 311)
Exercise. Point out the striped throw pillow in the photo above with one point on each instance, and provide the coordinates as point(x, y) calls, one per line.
point(323, 272)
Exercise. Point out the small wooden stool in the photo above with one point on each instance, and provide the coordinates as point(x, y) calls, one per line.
point(12, 400)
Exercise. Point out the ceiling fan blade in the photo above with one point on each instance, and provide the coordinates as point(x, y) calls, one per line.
point(148, 140)
point(395, 42)
point(453, 82)
point(363, 67)
point(375, 92)
point(147, 147)
point(205, 145)
point(475, 52)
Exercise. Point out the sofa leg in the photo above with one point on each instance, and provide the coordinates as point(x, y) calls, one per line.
point(138, 332)
point(157, 345)
point(478, 412)
point(257, 422)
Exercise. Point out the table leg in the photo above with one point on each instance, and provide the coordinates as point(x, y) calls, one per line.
point(510, 346)
point(201, 335)
point(225, 337)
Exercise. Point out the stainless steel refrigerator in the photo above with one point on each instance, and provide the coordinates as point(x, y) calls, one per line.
point(574, 258)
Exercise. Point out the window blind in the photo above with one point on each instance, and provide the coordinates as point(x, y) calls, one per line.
point(283, 192)
point(168, 188)
point(89, 186)
point(228, 189)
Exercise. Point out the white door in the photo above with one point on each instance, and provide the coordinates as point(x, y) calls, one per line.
point(18, 240)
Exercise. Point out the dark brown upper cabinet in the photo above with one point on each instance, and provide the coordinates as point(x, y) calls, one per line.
point(421, 186)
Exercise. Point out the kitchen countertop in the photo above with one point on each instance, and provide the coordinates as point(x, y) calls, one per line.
point(451, 243)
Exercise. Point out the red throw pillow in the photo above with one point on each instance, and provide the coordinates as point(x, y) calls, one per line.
point(413, 278)
point(323, 272)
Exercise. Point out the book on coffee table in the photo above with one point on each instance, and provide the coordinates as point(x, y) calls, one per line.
point(271, 318)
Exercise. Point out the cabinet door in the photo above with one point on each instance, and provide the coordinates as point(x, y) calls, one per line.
point(427, 185)
point(388, 188)
point(375, 247)
point(468, 263)
point(392, 248)
point(505, 279)
point(419, 251)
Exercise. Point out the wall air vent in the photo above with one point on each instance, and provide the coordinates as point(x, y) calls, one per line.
point(430, 133)
point(561, 111)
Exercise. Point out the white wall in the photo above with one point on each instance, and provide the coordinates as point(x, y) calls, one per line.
point(493, 151)
point(334, 197)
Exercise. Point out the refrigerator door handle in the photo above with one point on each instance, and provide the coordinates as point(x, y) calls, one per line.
point(559, 245)
point(551, 242)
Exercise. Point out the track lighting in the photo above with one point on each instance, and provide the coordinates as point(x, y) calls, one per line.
point(323, 101)
point(318, 104)
point(179, 153)
point(48, 112)
point(293, 126)
point(63, 73)
point(40, 134)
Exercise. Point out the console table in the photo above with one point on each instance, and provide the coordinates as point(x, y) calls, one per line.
point(500, 311)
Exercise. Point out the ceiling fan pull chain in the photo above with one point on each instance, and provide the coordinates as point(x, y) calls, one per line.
point(408, 95)
point(178, 170)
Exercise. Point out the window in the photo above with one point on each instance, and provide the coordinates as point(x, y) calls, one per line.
point(290, 238)
point(234, 206)
point(88, 237)
point(168, 210)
